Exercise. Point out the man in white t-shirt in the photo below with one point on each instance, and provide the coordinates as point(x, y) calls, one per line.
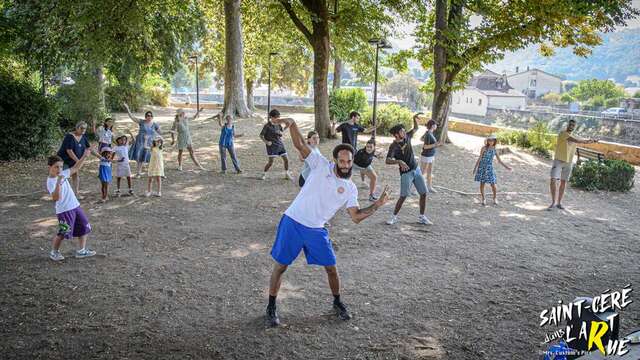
point(72, 222)
point(327, 189)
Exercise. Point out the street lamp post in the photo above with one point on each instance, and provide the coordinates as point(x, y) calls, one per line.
point(379, 44)
point(195, 57)
point(273, 53)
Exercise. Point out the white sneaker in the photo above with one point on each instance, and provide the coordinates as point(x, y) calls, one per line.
point(288, 176)
point(85, 253)
point(432, 190)
point(147, 194)
point(393, 220)
point(179, 168)
point(422, 219)
point(263, 176)
point(158, 194)
point(56, 256)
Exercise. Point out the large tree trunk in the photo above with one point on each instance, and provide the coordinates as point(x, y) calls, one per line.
point(234, 96)
point(320, 85)
point(250, 105)
point(337, 73)
point(439, 109)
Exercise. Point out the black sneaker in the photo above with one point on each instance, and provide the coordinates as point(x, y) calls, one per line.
point(272, 319)
point(341, 311)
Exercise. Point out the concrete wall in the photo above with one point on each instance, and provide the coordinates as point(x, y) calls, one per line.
point(611, 150)
point(507, 102)
point(469, 102)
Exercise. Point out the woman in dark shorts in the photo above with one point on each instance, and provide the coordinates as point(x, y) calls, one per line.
point(271, 134)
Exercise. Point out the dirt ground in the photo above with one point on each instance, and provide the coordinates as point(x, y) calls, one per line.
point(186, 275)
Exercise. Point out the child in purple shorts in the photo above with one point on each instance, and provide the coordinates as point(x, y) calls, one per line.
point(72, 222)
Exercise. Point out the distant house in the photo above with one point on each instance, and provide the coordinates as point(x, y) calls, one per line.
point(487, 90)
point(535, 82)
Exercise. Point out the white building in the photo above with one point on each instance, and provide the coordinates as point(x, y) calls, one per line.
point(487, 91)
point(535, 83)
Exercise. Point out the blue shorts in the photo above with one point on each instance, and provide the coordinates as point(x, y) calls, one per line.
point(291, 237)
point(415, 178)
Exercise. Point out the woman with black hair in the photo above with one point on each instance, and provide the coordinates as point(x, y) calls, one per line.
point(141, 149)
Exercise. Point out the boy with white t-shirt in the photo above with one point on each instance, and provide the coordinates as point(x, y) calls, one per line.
point(72, 222)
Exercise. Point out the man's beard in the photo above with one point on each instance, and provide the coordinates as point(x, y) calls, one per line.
point(344, 175)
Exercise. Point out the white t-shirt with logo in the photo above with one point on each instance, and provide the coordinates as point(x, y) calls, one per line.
point(104, 135)
point(67, 200)
point(322, 195)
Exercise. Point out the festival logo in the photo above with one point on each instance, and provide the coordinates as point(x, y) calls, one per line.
point(587, 324)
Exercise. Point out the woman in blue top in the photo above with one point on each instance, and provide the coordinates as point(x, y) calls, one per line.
point(483, 170)
point(227, 133)
point(141, 149)
point(73, 147)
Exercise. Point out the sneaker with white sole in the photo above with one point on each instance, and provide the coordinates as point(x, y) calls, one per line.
point(432, 190)
point(393, 220)
point(56, 255)
point(288, 176)
point(263, 176)
point(84, 253)
point(158, 194)
point(372, 198)
point(422, 219)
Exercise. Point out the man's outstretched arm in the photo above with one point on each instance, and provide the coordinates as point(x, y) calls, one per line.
point(359, 214)
point(296, 136)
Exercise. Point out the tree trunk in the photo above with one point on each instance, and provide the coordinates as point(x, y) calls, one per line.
point(320, 83)
point(234, 96)
point(439, 109)
point(337, 73)
point(250, 103)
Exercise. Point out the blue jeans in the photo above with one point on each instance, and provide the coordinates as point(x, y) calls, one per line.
point(223, 157)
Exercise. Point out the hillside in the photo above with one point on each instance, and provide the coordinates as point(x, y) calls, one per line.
point(617, 57)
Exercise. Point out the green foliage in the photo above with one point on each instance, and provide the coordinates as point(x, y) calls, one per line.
point(28, 121)
point(345, 100)
point(596, 101)
point(611, 175)
point(537, 139)
point(118, 94)
point(387, 116)
point(540, 140)
point(609, 103)
point(408, 89)
point(637, 94)
point(567, 98)
point(81, 101)
point(156, 90)
point(552, 98)
point(589, 90)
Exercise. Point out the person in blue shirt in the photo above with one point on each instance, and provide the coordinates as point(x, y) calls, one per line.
point(227, 134)
point(73, 147)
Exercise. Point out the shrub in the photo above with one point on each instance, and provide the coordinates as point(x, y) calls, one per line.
point(28, 121)
point(131, 94)
point(597, 101)
point(611, 175)
point(552, 98)
point(609, 103)
point(344, 101)
point(513, 137)
point(387, 116)
point(156, 90)
point(539, 139)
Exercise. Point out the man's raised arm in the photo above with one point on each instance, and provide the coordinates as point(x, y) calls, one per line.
point(296, 136)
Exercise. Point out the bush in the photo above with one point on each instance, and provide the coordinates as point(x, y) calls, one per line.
point(156, 90)
point(387, 116)
point(609, 103)
point(597, 101)
point(344, 101)
point(552, 98)
point(28, 121)
point(131, 94)
point(611, 175)
point(539, 139)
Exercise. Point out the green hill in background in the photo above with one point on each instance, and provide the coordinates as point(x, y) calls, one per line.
point(617, 58)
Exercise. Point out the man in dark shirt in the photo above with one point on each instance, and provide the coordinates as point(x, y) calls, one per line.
point(271, 134)
point(401, 154)
point(351, 128)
